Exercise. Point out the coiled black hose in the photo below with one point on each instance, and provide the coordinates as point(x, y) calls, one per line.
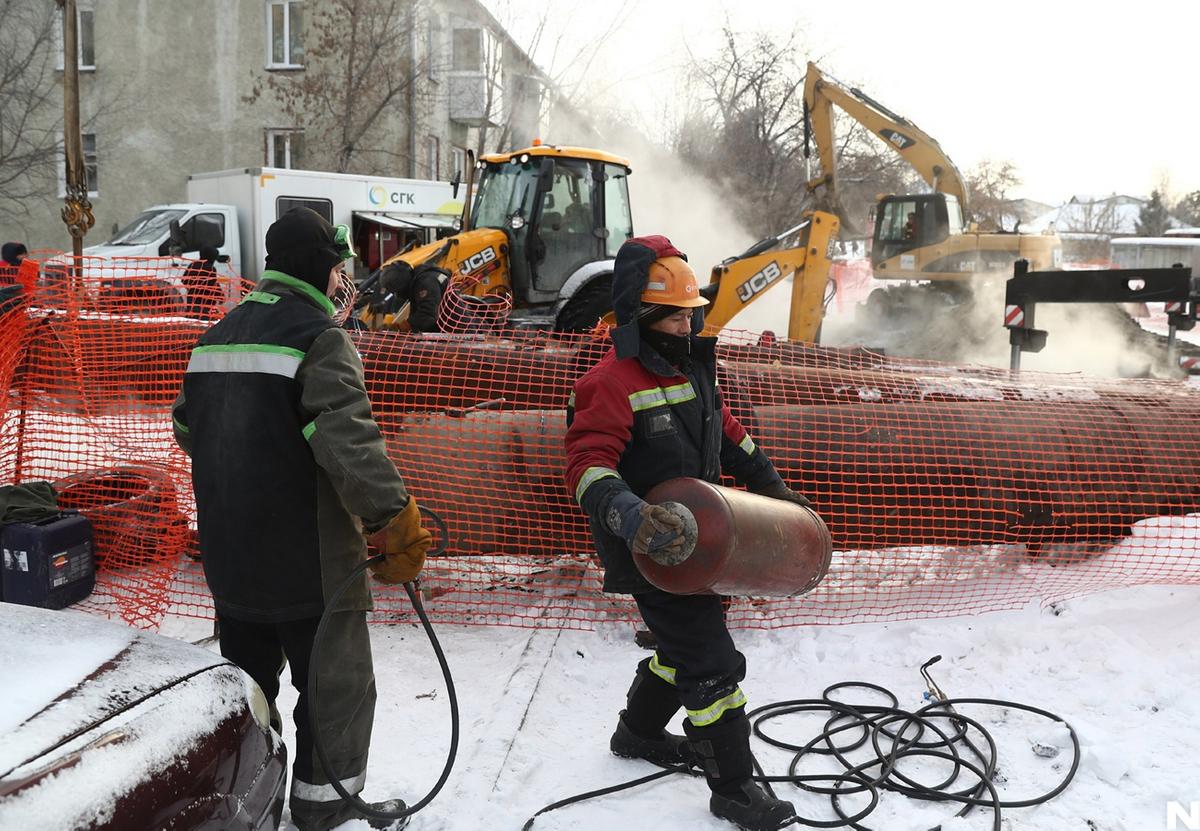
point(893, 734)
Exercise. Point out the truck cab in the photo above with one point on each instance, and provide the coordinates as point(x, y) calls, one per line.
point(149, 234)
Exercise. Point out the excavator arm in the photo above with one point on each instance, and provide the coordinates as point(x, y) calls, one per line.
point(916, 147)
point(803, 253)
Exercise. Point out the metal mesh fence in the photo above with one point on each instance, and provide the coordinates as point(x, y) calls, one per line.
point(948, 489)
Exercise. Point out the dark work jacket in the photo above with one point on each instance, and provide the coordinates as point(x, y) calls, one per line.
point(288, 466)
point(636, 422)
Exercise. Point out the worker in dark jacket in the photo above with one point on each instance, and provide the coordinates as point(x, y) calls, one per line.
point(203, 286)
point(12, 254)
point(290, 472)
point(421, 288)
point(649, 411)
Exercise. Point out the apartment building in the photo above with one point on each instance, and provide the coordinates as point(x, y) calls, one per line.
point(380, 87)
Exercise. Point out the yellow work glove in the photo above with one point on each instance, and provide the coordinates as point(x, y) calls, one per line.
point(403, 542)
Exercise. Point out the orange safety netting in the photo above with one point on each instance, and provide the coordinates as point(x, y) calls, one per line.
point(948, 490)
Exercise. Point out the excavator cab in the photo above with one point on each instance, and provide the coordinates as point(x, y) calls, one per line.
point(904, 223)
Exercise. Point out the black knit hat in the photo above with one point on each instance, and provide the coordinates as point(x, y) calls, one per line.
point(301, 244)
point(12, 250)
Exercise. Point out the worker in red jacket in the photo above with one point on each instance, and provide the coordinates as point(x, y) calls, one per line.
point(649, 411)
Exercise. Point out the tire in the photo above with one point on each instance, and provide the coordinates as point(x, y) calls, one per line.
point(590, 303)
point(134, 514)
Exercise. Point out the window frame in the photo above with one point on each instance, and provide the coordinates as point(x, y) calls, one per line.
point(321, 205)
point(433, 156)
point(272, 135)
point(458, 160)
point(93, 164)
point(289, 62)
point(87, 7)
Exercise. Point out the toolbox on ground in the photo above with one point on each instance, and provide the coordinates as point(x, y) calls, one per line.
point(49, 562)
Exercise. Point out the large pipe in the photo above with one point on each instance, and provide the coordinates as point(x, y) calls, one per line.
point(980, 473)
point(881, 476)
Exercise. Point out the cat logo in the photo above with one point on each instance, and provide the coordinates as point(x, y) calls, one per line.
point(477, 261)
point(759, 281)
point(901, 141)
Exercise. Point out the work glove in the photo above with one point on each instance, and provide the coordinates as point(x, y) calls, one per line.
point(779, 490)
point(665, 533)
point(403, 542)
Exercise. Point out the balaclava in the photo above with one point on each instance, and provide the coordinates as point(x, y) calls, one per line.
point(301, 244)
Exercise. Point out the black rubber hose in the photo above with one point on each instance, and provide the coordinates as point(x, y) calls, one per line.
point(314, 661)
point(892, 734)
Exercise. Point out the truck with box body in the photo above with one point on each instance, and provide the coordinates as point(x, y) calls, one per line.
point(231, 210)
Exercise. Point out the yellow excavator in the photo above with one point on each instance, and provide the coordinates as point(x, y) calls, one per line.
point(915, 236)
point(542, 233)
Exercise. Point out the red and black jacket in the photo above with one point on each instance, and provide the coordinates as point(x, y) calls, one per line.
point(636, 422)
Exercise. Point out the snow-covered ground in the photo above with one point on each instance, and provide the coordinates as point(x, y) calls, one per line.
point(538, 707)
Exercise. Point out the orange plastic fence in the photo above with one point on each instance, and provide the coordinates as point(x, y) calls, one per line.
point(948, 490)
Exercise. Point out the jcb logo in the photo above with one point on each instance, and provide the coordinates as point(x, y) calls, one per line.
point(759, 281)
point(477, 261)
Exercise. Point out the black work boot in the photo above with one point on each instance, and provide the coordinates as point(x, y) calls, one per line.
point(346, 812)
point(640, 734)
point(722, 750)
point(391, 806)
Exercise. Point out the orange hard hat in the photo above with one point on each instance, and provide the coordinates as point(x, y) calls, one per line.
point(670, 281)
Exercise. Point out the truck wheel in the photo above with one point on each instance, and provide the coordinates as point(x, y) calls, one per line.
point(592, 302)
point(133, 510)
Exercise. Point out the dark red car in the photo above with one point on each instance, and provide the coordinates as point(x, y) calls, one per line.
point(107, 727)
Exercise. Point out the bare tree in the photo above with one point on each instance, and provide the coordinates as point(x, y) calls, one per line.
point(989, 185)
point(529, 91)
point(30, 112)
point(1090, 225)
point(746, 132)
point(360, 67)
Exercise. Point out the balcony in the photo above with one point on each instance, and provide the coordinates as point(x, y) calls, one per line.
point(469, 100)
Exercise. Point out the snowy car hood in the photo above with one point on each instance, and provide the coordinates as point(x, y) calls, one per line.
point(65, 671)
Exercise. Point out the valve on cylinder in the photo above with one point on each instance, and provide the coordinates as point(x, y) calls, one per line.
point(745, 544)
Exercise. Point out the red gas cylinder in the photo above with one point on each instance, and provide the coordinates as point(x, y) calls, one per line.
point(747, 544)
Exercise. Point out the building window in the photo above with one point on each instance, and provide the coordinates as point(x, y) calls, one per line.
point(324, 207)
point(432, 153)
point(285, 34)
point(467, 50)
point(85, 36)
point(91, 167)
point(433, 45)
point(285, 148)
point(458, 162)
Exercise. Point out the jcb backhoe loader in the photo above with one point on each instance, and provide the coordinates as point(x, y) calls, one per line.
point(543, 232)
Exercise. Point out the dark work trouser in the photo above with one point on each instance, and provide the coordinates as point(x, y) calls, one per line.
point(695, 653)
point(346, 685)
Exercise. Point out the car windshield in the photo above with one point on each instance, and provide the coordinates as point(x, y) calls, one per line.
point(504, 188)
point(147, 227)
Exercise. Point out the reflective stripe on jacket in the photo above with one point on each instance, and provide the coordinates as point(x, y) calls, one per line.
point(636, 422)
point(288, 466)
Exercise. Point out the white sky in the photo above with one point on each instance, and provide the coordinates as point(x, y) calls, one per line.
point(1082, 97)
